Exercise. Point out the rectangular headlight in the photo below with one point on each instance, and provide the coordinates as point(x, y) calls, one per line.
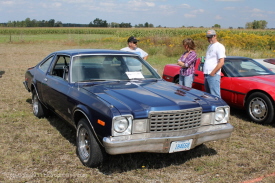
point(140, 125)
point(207, 118)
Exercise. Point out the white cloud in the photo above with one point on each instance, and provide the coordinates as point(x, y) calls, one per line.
point(7, 3)
point(57, 5)
point(51, 5)
point(218, 17)
point(230, 0)
point(229, 8)
point(258, 15)
point(198, 11)
point(256, 10)
point(150, 4)
point(185, 6)
point(270, 12)
point(189, 15)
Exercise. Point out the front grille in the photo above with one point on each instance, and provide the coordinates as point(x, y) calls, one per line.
point(168, 121)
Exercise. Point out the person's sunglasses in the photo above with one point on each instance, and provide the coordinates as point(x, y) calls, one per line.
point(135, 42)
point(210, 36)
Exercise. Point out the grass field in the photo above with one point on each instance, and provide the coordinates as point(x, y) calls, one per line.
point(44, 150)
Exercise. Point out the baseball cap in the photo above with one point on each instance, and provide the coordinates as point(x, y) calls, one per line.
point(210, 33)
point(132, 39)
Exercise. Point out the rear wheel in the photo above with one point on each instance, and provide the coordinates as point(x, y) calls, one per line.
point(260, 108)
point(88, 149)
point(38, 109)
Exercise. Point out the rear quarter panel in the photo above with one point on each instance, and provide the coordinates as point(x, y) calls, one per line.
point(171, 72)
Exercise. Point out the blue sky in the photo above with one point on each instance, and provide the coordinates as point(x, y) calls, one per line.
point(169, 13)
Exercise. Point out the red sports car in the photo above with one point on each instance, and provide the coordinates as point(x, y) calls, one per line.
point(245, 84)
point(270, 60)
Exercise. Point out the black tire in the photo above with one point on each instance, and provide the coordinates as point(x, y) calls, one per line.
point(88, 149)
point(260, 108)
point(37, 108)
point(177, 81)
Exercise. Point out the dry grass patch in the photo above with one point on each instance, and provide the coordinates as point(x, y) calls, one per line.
point(43, 150)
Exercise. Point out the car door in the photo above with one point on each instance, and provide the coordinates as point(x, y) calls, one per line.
point(226, 89)
point(226, 92)
point(40, 75)
point(56, 87)
point(198, 82)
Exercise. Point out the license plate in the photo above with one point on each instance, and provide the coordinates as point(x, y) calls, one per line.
point(180, 146)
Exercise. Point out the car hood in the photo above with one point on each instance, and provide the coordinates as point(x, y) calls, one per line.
point(264, 79)
point(140, 97)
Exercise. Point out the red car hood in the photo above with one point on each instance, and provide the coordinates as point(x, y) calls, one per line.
point(265, 79)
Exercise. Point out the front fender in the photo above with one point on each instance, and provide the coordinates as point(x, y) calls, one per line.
point(78, 114)
point(100, 124)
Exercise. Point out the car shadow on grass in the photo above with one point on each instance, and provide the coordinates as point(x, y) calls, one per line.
point(1, 73)
point(134, 161)
point(65, 129)
point(241, 114)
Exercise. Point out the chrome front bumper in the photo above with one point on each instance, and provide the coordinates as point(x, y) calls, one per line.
point(160, 142)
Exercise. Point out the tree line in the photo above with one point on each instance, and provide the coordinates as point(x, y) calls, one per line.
point(52, 23)
point(256, 24)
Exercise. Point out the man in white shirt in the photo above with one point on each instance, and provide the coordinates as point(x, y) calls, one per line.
point(214, 61)
point(132, 47)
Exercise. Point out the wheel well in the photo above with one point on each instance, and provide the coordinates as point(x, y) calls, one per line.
point(261, 91)
point(77, 116)
point(32, 88)
point(175, 78)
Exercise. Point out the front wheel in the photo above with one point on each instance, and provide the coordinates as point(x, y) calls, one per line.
point(88, 149)
point(177, 80)
point(260, 108)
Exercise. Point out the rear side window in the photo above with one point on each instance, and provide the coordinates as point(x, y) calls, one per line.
point(46, 64)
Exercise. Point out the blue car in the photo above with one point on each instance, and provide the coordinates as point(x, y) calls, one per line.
point(119, 104)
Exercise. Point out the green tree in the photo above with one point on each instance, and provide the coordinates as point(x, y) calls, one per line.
point(146, 24)
point(256, 24)
point(114, 24)
point(58, 24)
point(150, 25)
point(249, 25)
point(216, 26)
point(98, 23)
point(51, 23)
point(126, 25)
point(28, 22)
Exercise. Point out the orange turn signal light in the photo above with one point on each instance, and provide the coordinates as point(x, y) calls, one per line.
point(102, 123)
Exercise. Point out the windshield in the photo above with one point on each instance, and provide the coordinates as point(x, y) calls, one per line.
point(110, 67)
point(244, 68)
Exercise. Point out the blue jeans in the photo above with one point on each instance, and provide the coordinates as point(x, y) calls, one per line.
point(186, 80)
point(212, 84)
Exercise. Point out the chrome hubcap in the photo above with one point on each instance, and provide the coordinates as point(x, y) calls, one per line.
point(258, 108)
point(84, 144)
point(35, 104)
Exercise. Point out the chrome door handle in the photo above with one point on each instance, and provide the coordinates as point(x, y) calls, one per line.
point(46, 79)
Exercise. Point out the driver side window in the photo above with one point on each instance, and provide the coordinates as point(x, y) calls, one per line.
point(61, 67)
